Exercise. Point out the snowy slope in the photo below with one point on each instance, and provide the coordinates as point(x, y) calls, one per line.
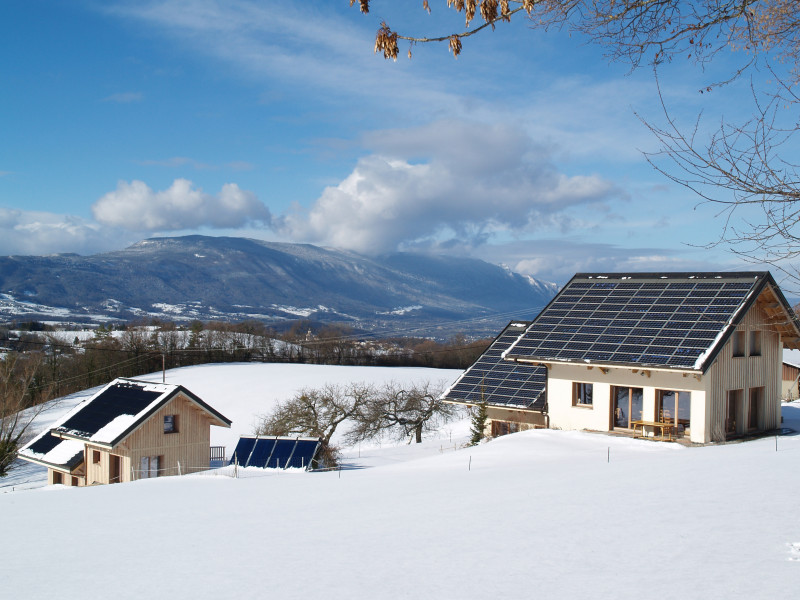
point(241, 392)
point(540, 514)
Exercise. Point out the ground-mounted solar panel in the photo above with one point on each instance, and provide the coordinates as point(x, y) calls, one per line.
point(664, 320)
point(493, 380)
point(275, 452)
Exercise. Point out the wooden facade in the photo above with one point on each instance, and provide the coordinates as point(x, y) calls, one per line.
point(790, 388)
point(745, 370)
point(180, 452)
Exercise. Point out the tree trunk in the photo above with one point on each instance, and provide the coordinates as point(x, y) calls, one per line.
point(418, 433)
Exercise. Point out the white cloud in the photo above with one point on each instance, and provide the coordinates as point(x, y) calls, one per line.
point(37, 233)
point(447, 181)
point(559, 259)
point(135, 206)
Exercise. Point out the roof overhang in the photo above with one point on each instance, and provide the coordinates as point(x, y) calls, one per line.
point(600, 365)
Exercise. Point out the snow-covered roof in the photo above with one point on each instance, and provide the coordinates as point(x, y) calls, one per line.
point(54, 452)
point(791, 357)
point(658, 320)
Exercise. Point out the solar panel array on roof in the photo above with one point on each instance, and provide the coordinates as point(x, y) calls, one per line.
point(496, 381)
point(275, 452)
point(646, 320)
point(43, 446)
point(122, 398)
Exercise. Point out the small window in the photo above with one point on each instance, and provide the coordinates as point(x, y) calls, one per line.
point(171, 424)
point(755, 343)
point(56, 478)
point(738, 343)
point(96, 457)
point(75, 482)
point(504, 428)
point(582, 394)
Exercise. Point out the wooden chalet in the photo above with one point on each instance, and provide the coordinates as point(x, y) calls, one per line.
point(667, 355)
point(128, 430)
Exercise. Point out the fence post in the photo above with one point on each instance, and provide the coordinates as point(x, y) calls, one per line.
point(179, 468)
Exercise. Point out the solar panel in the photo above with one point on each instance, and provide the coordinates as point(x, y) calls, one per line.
point(655, 320)
point(499, 382)
point(275, 452)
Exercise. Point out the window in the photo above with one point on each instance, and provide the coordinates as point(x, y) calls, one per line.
point(755, 343)
point(170, 423)
point(582, 394)
point(738, 343)
point(75, 482)
point(627, 406)
point(754, 410)
point(56, 478)
point(674, 407)
point(96, 457)
point(149, 466)
point(504, 428)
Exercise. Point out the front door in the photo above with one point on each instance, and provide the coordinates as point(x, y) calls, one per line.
point(114, 468)
point(626, 406)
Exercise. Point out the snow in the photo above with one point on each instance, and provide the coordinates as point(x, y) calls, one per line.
point(59, 455)
point(791, 357)
point(545, 514)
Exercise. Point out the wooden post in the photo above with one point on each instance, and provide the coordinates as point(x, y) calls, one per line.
point(163, 368)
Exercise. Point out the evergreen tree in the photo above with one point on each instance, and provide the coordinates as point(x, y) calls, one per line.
point(478, 423)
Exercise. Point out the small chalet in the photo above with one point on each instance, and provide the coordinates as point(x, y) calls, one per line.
point(128, 430)
point(668, 355)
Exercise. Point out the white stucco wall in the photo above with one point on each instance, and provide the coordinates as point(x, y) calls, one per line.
point(563, 415)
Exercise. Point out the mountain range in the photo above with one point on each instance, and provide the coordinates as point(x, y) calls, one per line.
point(225, 278)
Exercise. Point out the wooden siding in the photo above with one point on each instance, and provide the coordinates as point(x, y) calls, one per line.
point(189, 446)
point(789, 387)
point(745, 373)
point(66, 478)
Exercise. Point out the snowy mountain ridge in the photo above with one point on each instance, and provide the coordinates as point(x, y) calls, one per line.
point(223, 278)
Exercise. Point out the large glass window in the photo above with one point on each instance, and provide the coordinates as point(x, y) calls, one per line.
point(674, 407)
point(627, 406)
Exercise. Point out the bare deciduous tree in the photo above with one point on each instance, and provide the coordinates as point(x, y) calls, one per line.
point(317, 412)
point(17, 393)
point(408, 410)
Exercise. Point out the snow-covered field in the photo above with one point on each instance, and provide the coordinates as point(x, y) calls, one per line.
point(540, 514)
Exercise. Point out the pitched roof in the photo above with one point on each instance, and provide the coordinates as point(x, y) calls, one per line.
point(499, 382)
point(50, 451)
point(660, 320)
point(119, 408)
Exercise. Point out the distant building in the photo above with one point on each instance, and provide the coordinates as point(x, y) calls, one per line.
point(128, 430)
point(791, 374)
point(694, 355)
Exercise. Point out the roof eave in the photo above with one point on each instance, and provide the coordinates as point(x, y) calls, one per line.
point(604, 365)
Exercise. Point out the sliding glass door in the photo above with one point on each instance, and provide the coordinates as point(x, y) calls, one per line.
point(626, 406)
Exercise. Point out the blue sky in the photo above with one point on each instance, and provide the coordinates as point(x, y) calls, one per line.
point(274, 120)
